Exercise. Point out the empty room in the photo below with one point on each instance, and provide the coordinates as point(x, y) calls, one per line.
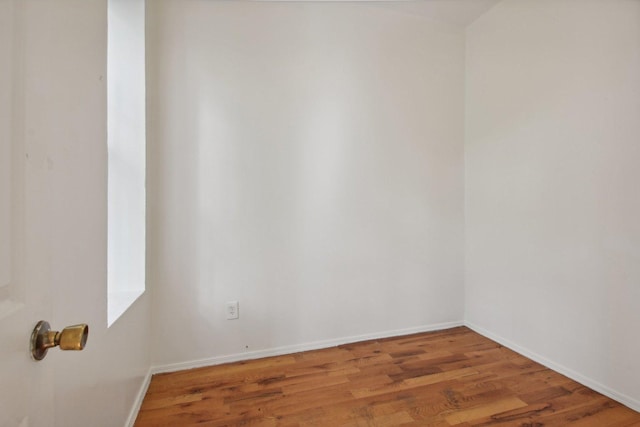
point(319, 213)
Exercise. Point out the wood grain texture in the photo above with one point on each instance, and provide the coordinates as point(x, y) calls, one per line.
point(439, 379)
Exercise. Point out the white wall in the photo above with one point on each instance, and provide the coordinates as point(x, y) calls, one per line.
point(307, 160)
point(552, 203)
point(63, 102)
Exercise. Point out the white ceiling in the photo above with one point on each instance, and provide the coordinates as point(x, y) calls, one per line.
point(454, 12)
point(458, 13)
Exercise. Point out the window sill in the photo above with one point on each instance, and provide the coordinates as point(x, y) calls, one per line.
point(119, 302)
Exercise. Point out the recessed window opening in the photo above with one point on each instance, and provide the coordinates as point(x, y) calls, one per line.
point(126, 143)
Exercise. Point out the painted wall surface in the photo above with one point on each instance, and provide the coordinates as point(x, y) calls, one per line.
point(306, 160)
point(552, 202)
point(62, 99)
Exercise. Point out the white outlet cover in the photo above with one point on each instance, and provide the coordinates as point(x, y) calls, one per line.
point(232, 310)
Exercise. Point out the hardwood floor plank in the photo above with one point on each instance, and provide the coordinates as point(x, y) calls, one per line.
point(482, 411)
point(440, 379)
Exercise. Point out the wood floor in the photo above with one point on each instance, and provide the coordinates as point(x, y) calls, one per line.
point(447, 378)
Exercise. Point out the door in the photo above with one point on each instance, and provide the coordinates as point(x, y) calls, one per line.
point(44, 163)
point(24, 291)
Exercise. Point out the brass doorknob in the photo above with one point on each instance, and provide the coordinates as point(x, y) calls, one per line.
point(70, 338)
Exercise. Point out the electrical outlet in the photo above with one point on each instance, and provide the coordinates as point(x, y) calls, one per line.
point(232, 310)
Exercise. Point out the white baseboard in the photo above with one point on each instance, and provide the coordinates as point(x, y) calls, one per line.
point(133, 414)
point(576, 376)
point(296, 348)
